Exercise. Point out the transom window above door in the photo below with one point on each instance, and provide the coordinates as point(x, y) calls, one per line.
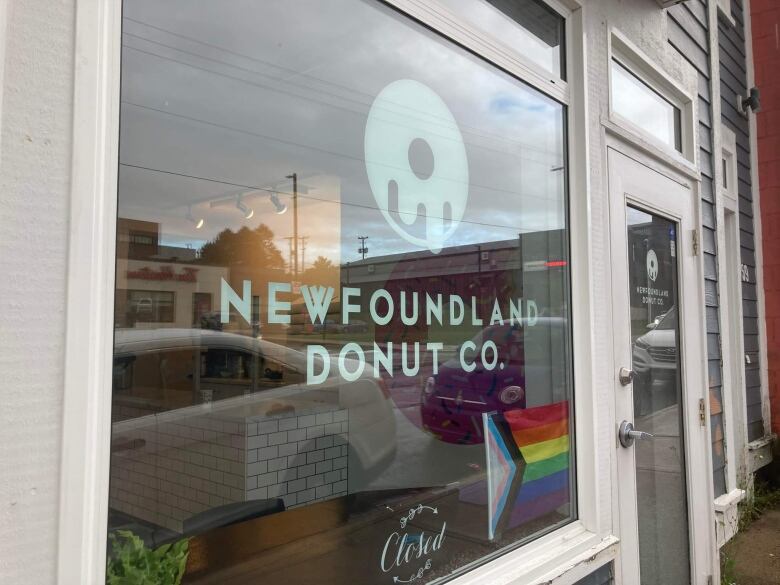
point(648, 103)
point(639, 103)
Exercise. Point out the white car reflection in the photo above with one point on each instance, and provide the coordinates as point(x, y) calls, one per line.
point(655, 352)
point(654, 359)
point(205, 419)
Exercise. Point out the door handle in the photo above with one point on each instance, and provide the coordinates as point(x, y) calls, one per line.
point(626, 376)
point(627, 434)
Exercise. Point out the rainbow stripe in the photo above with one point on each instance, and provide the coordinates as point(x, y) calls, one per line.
point(542, 436)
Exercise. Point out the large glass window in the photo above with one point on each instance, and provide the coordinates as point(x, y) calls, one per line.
point(365, 376)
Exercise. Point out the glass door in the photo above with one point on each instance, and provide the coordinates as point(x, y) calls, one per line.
point(658, 439)
point(664, 486)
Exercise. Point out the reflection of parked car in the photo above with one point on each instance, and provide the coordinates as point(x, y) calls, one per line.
point(329, 326)
point(355, 326)
point(144, 306)
point(654, 361)
point(656, 351)
point(221, 403)
point(454, 400)
point(266, 377)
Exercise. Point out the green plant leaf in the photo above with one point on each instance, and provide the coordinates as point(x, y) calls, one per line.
point(133, 563)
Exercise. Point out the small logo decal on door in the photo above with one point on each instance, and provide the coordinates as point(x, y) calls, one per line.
point(652, 265)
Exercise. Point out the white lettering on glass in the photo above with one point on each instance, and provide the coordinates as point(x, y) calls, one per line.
point(317, 299)
point(347, 307)
point(470, 345)
point(275, 305)
point(319, 351)
point(230, 297)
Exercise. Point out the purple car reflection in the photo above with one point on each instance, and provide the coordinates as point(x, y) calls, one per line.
point(453, 400)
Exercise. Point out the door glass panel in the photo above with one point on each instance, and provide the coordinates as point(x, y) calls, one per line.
point(660, 462)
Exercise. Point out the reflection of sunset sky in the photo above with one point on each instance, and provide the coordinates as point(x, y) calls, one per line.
point(267, 112)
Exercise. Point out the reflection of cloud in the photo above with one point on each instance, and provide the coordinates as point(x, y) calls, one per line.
point(274, 93)
point(508, 104)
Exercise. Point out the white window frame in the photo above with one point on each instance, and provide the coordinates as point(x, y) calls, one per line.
point(724, 12)
point(649, 72)
point(731, 333)
point(727, 185)
point(561, 557)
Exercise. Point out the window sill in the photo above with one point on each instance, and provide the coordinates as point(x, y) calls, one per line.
point(676, 161)
point(560, 558)
point(727, 501)
point(760, 453)
point(727, 515)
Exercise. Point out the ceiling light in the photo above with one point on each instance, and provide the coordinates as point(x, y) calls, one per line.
point(199, 222)
point(247, 211)
point(278, 205)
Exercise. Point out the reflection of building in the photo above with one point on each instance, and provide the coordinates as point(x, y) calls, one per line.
point(166, 294)
point(157, 287)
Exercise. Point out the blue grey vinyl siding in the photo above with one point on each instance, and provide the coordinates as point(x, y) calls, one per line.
point(688, 31)
point(602, 576)
point(733, 82)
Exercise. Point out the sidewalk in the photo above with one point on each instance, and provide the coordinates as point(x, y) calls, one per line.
point(755, 553)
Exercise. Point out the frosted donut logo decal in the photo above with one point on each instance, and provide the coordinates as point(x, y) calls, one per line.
point(652, 265)
point(416, 163)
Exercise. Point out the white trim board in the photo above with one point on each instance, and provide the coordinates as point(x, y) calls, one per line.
point(89, 330)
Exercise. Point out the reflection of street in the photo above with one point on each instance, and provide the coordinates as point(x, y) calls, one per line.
point(661, 498)
point(420, 459)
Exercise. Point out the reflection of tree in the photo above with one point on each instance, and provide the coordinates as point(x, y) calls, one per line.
point(252, 247)
point(322, 272)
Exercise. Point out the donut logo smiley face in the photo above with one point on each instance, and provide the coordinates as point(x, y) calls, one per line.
point(652, 265)
point(416, 163)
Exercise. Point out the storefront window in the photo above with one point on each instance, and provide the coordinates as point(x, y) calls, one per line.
point(342, 348)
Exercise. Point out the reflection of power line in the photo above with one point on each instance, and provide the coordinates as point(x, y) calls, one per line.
point(352, 91)
point(521, 145)
point(302, 240)
point(290, 252)
point(362, 249)
point(310, 197)
point(299, 145)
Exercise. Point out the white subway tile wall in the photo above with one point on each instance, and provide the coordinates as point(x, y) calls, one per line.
point(165, 471)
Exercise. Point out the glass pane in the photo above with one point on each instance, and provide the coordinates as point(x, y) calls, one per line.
point(660, 462)
point(641, 105)
point(351, 270)
point(530, 27)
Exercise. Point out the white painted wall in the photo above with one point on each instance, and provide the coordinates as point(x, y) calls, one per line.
point(36, 73)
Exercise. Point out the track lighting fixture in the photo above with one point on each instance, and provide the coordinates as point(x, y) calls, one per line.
point(199, 222)
point(278, 205)
point(247, 211)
